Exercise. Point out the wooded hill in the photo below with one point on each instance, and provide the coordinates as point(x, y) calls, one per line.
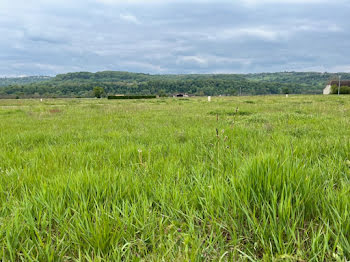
point(81, 84)
point(6, 81)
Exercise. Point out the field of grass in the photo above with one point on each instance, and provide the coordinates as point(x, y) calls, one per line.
point(236, 179)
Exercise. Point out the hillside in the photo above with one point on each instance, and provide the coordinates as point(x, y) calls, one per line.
point(6, 81)
point(312, 79)
point(80, 84)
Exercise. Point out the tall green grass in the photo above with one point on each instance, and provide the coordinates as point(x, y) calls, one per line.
point(175, 180)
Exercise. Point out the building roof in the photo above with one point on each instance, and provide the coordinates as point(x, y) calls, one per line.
point(342, 83)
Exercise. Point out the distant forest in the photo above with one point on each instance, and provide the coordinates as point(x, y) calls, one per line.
point(81, 84)
point(6, 81)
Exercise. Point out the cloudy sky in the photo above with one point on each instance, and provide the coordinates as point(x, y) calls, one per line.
point(47, 37)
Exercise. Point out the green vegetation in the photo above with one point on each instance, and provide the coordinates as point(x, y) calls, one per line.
point(131, 97)
point(236, 179)
point(343, 90)
point(82, 84)
point(311, 81)
point(98, 91)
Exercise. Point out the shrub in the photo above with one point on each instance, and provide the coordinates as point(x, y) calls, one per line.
point(343, 89)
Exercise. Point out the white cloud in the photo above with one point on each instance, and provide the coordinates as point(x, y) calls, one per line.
point(245, 2)
point(128, 2)
point(340, 68)
point(282, 2)
point(194, 59)
point(264, 33)
point(211, 60)
point(130, 18)
point(277, 33)
point(144, 66)
point(315, 26)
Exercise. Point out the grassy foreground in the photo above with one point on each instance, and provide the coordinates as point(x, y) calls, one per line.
point(239, 178)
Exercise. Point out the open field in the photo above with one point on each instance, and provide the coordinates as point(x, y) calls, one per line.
point(239, 178)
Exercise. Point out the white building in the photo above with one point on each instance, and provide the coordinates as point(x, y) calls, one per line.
point(328, 89)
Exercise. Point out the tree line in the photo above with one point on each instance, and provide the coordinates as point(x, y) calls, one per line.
point(154, 87)
point(81, 84)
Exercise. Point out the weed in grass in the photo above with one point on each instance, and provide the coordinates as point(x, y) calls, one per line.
point(236, 112)
point(55, 111)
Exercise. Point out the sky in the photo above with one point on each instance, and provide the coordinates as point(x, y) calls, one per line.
point(49, 37)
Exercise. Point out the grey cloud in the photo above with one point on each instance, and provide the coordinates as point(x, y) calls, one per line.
point(198, 36)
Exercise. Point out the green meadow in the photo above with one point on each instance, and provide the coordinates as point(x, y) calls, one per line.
point(263, 178)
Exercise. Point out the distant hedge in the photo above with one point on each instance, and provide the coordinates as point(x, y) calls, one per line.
point(343, 89)
point(131, 97)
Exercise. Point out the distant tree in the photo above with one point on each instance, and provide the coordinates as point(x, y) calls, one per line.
point(231, 91)
point(285, 90)
point(98, 91)
point(162, 93)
